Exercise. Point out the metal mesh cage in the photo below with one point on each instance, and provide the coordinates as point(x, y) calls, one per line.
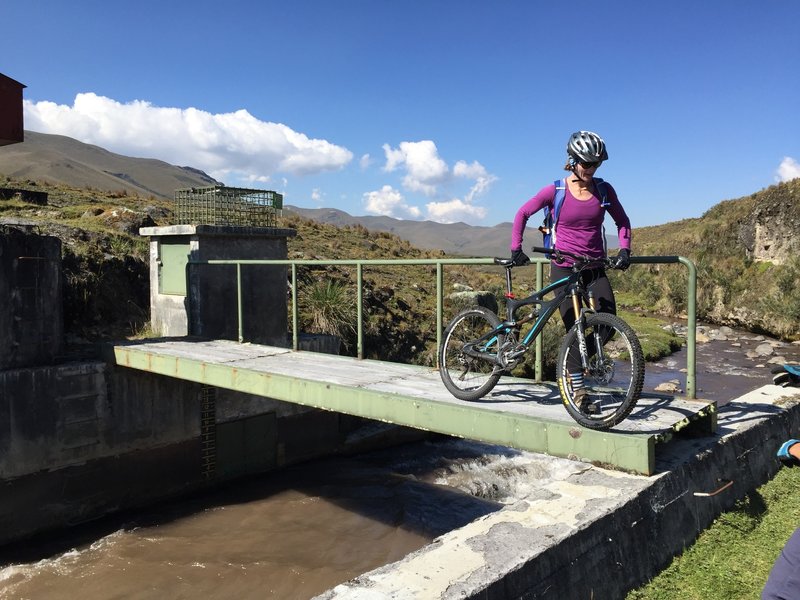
point(220, 205)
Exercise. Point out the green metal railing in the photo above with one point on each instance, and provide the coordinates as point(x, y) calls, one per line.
point(440, 263)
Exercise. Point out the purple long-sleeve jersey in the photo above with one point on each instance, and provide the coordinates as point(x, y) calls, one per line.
point(580, 223)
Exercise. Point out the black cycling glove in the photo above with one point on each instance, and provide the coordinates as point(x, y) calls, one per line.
point(623, 259)
point(519, 258)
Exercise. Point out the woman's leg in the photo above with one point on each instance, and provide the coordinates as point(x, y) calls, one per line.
point(596, 281)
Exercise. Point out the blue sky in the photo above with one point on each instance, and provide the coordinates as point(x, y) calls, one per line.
point(439, 109)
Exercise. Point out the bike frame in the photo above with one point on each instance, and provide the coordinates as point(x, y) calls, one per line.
point(568, 286)
point(547, 307)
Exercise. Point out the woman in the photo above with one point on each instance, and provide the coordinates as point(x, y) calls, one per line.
point(580, 221)
point(579, 226)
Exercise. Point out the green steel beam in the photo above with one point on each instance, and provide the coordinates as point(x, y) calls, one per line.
point(629, 452)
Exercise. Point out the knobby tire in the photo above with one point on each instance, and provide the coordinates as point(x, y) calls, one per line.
point(612, 385)
point(468, 377)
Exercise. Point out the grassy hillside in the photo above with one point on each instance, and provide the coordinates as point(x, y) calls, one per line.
point(106, 272)
point(106, 269)
point(748, 266)
point(62, 160)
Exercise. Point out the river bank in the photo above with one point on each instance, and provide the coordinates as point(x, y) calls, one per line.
point(729, 362)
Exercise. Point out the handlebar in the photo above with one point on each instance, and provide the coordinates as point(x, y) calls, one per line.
point(559, 256)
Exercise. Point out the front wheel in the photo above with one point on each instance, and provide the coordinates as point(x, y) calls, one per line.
point(466, 360)
point(605, 392)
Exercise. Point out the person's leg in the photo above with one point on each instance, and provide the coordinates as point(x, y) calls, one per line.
point(784, 579)
point(600, 286)
point(567, 313)
point(597, 282)
point(574, 367)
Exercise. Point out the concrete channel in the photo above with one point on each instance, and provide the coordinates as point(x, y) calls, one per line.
point(588, 532)
point(585, 532)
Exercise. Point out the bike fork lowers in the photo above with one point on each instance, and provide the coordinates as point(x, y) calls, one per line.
point(580, 329)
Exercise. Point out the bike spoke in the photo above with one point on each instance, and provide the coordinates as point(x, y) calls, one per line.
point(605, 393)
point(470, 377)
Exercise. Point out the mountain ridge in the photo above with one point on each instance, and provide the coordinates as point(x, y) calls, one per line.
point(63, 160)
point(59, 159)
point(451, 238)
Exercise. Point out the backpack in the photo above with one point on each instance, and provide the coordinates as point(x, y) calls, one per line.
point(548, 226)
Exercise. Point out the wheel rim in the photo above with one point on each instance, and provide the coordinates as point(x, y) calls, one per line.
point(609, 385)
point(466, 372)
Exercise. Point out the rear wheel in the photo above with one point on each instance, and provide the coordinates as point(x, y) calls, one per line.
point(605, 393)
point(466, 366)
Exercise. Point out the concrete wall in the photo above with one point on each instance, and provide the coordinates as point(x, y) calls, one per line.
point(81, 440)
point(31, 317)
point(208, 305)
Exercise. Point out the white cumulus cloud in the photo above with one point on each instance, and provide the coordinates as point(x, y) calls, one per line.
point(455, 210)
point(424, 169)
point(428, 174)
point(788, 169)
point(236, 143)
point(391, 203)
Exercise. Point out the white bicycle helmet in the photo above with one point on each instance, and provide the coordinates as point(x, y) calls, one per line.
point(586, 146)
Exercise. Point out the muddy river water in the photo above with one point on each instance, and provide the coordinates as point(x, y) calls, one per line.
point(295, 533)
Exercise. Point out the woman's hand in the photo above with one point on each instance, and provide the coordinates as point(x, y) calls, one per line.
point(519, 258)
point(623, 259)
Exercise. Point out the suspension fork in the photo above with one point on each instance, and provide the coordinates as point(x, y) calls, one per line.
point(598, 338)
point(580, 328)
point(580, 324)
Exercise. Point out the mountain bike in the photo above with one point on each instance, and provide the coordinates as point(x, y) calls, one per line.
point(600, 364)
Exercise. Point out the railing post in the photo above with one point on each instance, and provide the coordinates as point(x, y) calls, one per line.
point(537, 365)
point(295, 317)
point(691, 334)
point(360, 310)
point(239, 300)
point(439, 309)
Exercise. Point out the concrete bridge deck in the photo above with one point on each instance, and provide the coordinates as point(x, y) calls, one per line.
point(518, 413)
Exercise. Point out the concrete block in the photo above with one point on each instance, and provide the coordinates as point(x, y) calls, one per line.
point(31, 315)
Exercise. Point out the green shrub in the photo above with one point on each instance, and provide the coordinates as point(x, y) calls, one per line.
point(329, 308)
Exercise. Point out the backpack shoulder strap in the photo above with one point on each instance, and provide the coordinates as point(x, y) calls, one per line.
point(558, 199)
point(558, 202)
point(602, 191)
